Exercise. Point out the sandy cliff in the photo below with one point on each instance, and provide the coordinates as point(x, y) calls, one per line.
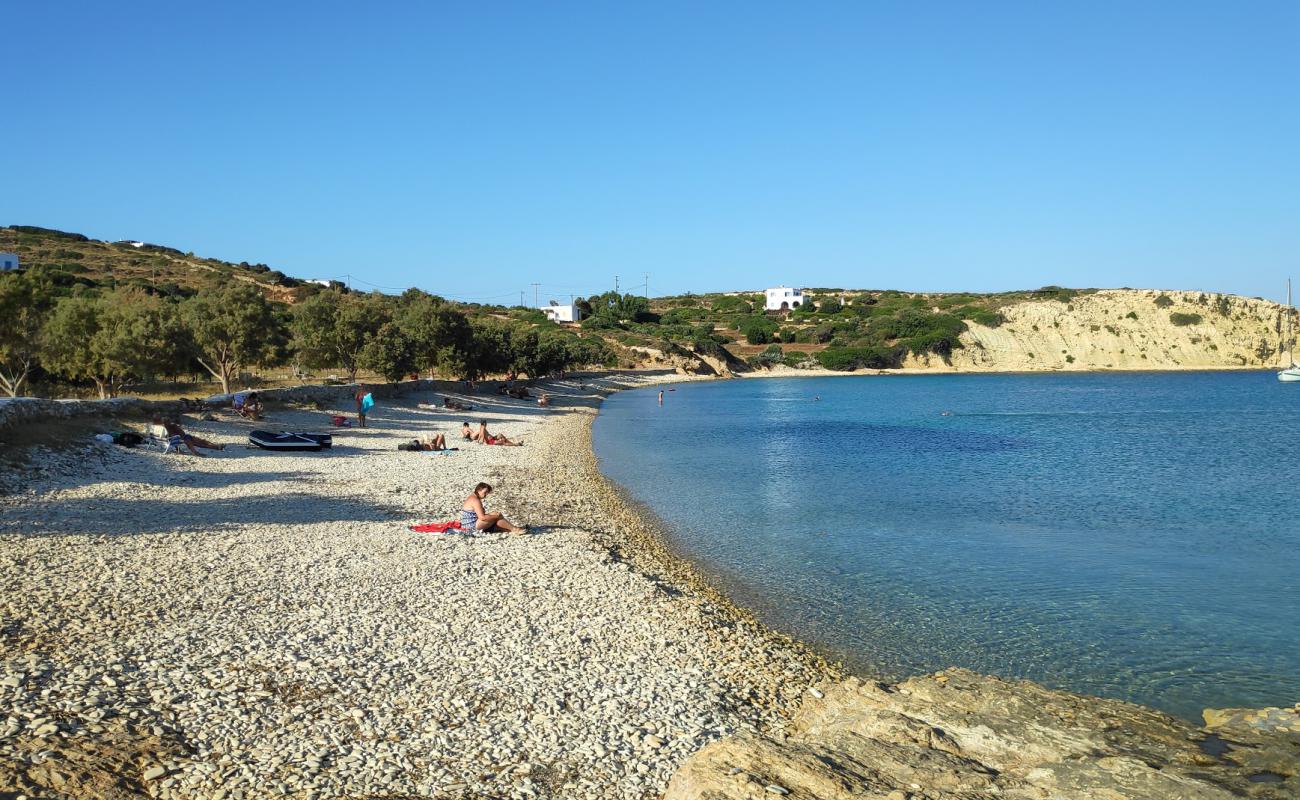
point(1123, 329)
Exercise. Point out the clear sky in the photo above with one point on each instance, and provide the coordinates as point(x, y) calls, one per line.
point(472, 149)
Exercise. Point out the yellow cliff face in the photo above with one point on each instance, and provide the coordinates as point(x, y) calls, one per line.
point(1124, 329)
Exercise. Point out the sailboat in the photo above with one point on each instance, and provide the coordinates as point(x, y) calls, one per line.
point(1291, 373)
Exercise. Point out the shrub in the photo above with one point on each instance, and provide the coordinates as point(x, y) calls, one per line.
point(845, 359)
point(729, 304)
point(989, 319)
point(1184, 319)
point(1164, 301)
point(1131, 315)
point(757, 330)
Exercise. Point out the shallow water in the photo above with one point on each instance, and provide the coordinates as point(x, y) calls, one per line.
point(1134, 536)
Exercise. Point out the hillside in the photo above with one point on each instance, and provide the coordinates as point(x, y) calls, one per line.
point(79, 259)
point(1046, 329)
point(841, 329)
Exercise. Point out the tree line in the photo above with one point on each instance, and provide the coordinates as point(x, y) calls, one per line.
point(116, 337)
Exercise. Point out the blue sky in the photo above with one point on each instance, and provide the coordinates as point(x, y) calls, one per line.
point(473, 149)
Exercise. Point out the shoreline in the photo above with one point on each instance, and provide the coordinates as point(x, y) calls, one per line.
point(252, 623)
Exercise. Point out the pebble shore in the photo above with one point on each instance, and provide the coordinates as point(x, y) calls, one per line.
point(260, 624)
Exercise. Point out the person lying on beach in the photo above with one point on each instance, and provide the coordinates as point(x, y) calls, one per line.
point(482, 436)
point(437, 443)
point(455, 405)
point(192, 442)
point(474, 517)
point(467, 433)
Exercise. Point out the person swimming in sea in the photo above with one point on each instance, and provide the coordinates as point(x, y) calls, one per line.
point(474, 517)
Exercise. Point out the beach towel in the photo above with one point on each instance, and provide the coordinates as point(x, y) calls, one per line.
point(367, 403)
point(437, 527)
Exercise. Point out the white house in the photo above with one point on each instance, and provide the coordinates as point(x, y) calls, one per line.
point(783, 298)
point(556, 312)
point(8, 261)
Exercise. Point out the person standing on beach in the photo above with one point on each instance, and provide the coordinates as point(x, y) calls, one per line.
point(365, 402)
point(661, 397)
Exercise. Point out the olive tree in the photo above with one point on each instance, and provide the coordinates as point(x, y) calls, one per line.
point(111, 340)
point(25, 304)
point(330, 329)
point(234, 327)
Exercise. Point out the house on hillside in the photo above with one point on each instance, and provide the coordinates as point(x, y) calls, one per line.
point(783, 298)
point(8, 261)
point(557, 312)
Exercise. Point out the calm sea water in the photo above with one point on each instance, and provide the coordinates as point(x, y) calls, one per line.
point(1134, 536)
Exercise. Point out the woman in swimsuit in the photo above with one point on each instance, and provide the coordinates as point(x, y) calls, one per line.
point(474, 517)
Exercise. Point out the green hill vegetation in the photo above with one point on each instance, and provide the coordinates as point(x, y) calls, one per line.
point(839, 329)
point(89, 315)
point(84, 313)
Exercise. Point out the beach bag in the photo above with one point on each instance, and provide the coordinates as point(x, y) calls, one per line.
point(127, 438)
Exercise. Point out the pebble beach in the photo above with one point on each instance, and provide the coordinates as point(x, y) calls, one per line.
point(258, 624)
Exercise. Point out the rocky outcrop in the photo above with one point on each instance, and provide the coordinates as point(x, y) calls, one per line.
point(1123, 329)
point(961, 736)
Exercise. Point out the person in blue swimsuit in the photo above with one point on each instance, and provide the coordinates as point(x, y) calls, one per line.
point(474, 517)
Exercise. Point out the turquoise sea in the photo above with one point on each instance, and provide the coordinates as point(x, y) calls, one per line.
point(1134, 536)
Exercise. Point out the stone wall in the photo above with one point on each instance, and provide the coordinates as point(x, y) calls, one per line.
point(24, 410)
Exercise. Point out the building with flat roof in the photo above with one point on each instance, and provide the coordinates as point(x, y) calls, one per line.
point(783, 298)
point(8, 261)
point(562, 312)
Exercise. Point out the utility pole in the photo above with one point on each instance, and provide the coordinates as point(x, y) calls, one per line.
point(521, 297)
point(615, 284)
point(647, 287)
point(536, 302)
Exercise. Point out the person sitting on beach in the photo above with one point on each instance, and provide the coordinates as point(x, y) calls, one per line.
point(544, 400)
point(177, 433)
point(467, 433)
point(247, 405)
point(474, 517)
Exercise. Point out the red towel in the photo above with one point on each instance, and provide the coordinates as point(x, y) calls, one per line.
point(437, 527)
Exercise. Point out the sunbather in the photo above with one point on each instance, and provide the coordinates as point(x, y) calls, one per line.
point(482, 436)
point(175, 431)
point(474, 517)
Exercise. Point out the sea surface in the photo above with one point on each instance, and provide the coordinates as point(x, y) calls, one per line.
point(1134, 536)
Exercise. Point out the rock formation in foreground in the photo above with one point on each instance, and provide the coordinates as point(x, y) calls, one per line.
point(959, 735)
